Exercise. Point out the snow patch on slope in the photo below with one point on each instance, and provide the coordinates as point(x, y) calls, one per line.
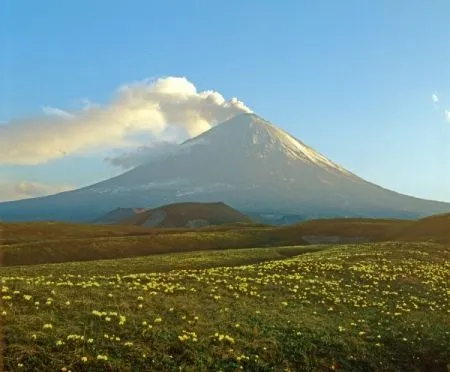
point(265, 138)
point(299, 150)
point(142, 187)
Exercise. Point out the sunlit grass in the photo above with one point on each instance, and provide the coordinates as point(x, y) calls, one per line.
point(370, 307)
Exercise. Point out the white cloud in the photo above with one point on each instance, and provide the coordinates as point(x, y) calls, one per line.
point(149, 106)
point(435, 98)
point(447, 115)
point(10, 190)
point(52, 111)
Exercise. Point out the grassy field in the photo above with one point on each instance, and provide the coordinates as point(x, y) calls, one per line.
point(39, 243)
point(28, 232)
point(97, 248)
point(434, 228)
point(372, 307)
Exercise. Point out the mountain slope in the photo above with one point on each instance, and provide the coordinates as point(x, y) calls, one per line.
point(246, 162)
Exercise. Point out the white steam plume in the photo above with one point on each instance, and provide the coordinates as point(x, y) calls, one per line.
point(141, 107)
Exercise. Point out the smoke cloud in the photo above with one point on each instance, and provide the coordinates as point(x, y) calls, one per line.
point(142, 155)
point(149, 106)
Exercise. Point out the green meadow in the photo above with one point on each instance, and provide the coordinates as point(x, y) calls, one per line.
point(370, 307)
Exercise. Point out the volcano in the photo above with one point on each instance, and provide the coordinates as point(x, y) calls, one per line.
point(245, 162)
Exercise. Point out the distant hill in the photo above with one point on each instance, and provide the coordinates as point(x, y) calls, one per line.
point(434, 228)
point(178, 215)
point(345, 230)
point(117, 215)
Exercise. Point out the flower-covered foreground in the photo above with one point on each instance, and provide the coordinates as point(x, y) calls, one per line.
point(374, 307)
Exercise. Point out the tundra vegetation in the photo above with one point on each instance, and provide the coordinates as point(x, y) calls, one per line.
point(370, 307)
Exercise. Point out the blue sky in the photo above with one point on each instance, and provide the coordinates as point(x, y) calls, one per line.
point(352, 79)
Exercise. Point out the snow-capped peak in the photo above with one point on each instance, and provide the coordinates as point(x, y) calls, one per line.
point(261, 138)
